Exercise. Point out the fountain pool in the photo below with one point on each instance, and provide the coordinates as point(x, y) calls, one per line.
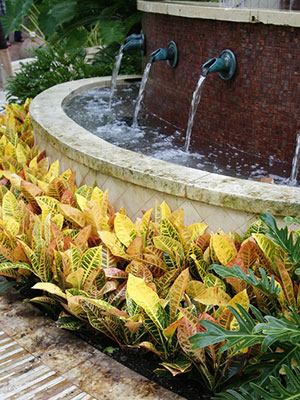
point(116, 122)
point(135, 180)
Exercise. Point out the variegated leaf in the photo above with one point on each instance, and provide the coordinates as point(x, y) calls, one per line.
point(9, 205)
point(147, 299)
point(177, 291)
point(223, 247)
point(50, 288)
point(125, 229)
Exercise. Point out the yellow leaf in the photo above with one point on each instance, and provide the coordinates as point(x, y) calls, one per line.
point(195, 289)
point(223, 247)
point(125, 229)
point(53, 171)
point(162, 211)
point(13, 178)
point(9, 205)
point(58, 219)
point(43, 185)
point(196, 230)
point(48, 204)
point(214, 296)
point(113, 243)
point(147, 299)
point(11, 225)
point(287, 284)
point(10, 151)
point(81, 201)
point(177, 291)
point(33, 163)
point(97, 196)
point(171, 328)
point(72, 214)
point(75, 278)
point(50, 288)
point(21, 156)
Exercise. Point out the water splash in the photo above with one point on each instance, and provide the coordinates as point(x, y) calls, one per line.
point(115, 74)
point(194, 105)
point(141, 94)
point(296, 162)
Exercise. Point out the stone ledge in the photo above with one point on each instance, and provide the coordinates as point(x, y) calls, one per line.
point(196, 10)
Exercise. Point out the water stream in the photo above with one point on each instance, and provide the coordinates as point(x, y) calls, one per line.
point(194, 105)
point(140, 97)
point(115, 74)
point(296, 162)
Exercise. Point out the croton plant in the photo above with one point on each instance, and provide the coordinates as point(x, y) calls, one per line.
point(219, 307)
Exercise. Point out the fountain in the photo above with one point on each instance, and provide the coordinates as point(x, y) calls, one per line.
point(296, 162)
point(225, 65)
point(253, 114)
point(132, 42)
point(169, 54)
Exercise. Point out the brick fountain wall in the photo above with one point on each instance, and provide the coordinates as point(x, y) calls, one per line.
point(258, 111)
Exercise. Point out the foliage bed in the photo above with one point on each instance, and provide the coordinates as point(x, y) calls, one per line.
point(221, 308)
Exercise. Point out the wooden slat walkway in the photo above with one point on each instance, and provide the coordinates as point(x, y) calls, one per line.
point(25, 377)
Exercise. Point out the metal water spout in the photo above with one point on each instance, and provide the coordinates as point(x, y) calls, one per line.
point(225, 65)
point(136, 41)
point(169, 54)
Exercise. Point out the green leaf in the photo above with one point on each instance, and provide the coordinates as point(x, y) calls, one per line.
point(15, 11)
point(112, 31)
point(278, 391)
point(264, 284)
point(285, 329)
point(235, 340)
point(283, 238)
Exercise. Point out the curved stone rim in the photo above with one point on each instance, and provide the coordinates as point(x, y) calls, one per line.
point(78, 144)
point(192, 9)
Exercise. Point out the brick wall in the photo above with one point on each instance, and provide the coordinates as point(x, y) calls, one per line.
point(258, 111)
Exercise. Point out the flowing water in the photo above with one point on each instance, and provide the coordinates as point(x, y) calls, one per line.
point(296, 162)
point(158, 138)
point(138, 105)
point(194, 105)
point(115, 74)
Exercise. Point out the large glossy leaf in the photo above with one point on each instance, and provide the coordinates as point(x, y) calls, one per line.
point(248, 253)
point(287, 284)
point(214, 296)
point(125, 229)
point(187, 329)
point(269, 249)
point(113, 243)
point(146, 298)
point(72, 214)
point(162, 211)
point(224, 247)
point(177, 291)
point(9, 205)
point(167, 229)
point(50, 288)
point(172, 247)
point(90, 260)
